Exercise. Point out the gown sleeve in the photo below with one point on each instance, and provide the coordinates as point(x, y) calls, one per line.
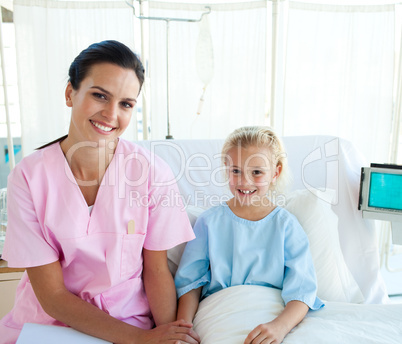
point(193, 271)
point(300, 282)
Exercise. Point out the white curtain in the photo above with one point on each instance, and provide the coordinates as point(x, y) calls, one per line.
point(339, 71)
point(228, 52)
point(49, 34)
point(336, 77)
point(396, 149)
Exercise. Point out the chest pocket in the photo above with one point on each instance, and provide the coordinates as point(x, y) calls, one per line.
point(131, 255)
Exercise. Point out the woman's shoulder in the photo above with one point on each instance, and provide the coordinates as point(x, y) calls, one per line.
point(35, 163)
point(137, 152)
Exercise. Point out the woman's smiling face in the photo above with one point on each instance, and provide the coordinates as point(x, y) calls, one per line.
point(103, 105)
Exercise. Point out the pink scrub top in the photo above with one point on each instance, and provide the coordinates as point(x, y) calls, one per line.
point(48, 220)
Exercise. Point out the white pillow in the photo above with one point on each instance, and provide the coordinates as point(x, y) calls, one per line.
point(334, 280)
point(175, 253)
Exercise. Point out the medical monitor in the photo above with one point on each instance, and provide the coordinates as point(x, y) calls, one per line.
point(381, 192)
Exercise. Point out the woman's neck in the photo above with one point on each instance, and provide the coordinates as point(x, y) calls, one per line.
point(88, 162)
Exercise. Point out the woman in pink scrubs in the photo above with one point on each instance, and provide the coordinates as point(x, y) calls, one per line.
point(91, 217)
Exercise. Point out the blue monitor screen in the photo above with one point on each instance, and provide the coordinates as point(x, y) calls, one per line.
point(385, 191)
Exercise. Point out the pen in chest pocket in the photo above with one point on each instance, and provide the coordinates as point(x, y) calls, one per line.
point(131, 227)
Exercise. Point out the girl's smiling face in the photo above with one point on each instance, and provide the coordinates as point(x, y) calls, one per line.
point(103, 105)
point(251, 172)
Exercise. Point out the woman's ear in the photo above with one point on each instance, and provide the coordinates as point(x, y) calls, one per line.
point(68, 94)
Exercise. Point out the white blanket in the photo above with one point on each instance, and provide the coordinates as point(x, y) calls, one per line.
point(227, 317)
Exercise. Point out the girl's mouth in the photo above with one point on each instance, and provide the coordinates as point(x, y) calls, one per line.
point(246, 192)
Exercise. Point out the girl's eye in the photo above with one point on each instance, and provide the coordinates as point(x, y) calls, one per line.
point(235, 171)
point(256, 172)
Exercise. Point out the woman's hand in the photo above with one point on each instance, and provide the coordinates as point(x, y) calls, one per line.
point(269, 333)
point(178, 332)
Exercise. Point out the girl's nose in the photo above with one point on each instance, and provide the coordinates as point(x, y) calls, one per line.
point(245, 179)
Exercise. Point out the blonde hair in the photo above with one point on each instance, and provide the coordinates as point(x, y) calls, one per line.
point(264, 137)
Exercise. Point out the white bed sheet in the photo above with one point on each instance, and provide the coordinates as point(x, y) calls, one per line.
point(49, 334)
point(227, 317)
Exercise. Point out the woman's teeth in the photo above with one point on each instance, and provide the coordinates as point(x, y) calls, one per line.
point(101, 127)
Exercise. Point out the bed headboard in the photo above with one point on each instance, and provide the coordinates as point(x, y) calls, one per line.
point(323, 163)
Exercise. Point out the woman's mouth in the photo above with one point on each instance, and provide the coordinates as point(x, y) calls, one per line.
point(101, 127)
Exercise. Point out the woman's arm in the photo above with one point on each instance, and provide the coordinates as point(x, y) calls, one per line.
point(277, 329)
point(161, 291)
point(159, 287)
point(48, 285)
point(188, 305)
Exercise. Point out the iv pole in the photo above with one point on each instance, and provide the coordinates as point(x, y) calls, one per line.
point(167, 20)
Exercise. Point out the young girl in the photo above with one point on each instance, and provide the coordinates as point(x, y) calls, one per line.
point(249, 240)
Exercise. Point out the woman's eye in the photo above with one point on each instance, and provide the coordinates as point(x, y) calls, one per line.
point(256, 172)
point(235, 171)
point(99, 95)
point(127, 105)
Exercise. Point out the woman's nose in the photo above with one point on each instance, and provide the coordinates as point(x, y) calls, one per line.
point(110, 111)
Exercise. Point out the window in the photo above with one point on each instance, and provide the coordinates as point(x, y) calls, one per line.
point(8, 40)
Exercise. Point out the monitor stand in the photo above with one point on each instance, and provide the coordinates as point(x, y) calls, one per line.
point(396, 233)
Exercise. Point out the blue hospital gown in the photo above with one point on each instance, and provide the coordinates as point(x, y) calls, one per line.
point(230, 251)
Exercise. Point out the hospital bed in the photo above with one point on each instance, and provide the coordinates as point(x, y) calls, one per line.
point(324, 197)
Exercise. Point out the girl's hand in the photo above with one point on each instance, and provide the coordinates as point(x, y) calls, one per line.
point(269, 333)
point(178, 332)
point(273, 332)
